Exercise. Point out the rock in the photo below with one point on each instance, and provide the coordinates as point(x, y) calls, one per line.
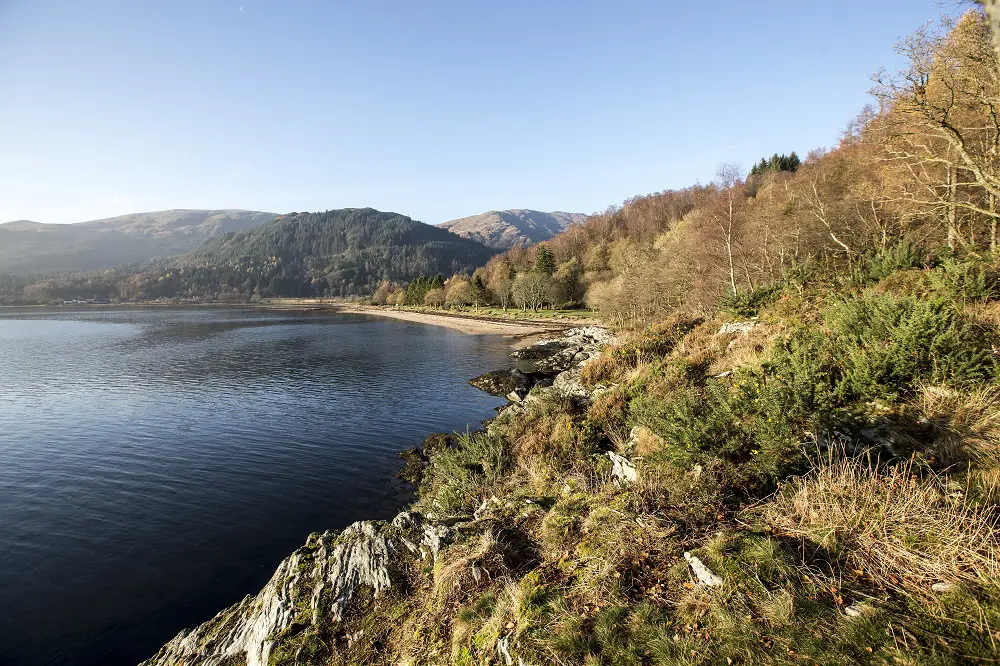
point(702, 572)
point(436, 443)
point(435, 536)
point(743, 327)
point(503, 649)
point(942, 587)
point(413, 471)
point(331, 567)
point(559, 362)
point(568, 383)
point(854, 610)
point(541, 350)
point(502, 382)
point(622, 468)
point(312, 587)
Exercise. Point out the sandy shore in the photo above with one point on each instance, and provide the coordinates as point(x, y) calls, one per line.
point(466, 324)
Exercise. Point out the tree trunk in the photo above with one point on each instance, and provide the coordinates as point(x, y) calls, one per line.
point(951, 210)
point(729, 247)
point(993, 223)
point(993, 17)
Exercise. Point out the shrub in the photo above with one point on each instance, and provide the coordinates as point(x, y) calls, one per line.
point(747, 304)
point(878, 265)
point(966, 281)
point(888, 344)
point(458, 479)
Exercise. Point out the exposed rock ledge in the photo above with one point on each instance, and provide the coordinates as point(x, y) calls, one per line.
point(314, 585)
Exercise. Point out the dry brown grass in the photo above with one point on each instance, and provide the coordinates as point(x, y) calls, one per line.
point(898, 529)
point(967, 422)
point(720, 352)
point(987, 313)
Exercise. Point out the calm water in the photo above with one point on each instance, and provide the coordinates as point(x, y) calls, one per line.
point(156, 465)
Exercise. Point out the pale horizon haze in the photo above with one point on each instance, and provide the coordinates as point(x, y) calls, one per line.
point(435, 110)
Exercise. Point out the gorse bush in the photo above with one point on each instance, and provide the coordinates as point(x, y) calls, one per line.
point(748, 303)
point(888, 344)
point(966, 281)
point(458, 478)
point(747, 425)
point(878, 265)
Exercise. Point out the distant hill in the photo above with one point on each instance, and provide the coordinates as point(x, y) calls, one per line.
point(338, 252)
point(504, 229)
point(29, 247)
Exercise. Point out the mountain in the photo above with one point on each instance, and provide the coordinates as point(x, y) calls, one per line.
point(504, 229)
point(28, 247)
point(339, 253)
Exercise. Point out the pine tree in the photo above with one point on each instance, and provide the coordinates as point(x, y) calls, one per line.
point(545, 263)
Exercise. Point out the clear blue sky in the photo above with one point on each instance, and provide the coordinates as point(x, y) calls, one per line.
point(432, 109)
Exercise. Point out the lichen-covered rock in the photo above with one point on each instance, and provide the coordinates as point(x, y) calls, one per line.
point(312, 587)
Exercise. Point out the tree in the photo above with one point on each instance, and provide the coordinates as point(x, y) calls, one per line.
point(941, 123)
point(435, 297)
point(500, 283)
point(384, 290)
point(545, 262)
point(530, 290)
point(459, 293)
point(726, 214)
point(566, 282)
point(477, 290)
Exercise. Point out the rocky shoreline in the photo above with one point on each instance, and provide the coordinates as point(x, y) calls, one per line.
point(353, 577)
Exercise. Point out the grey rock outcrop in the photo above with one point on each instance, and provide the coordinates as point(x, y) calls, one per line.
point(313, 586)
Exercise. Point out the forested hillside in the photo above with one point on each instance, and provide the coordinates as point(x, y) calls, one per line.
point(344, 252)
point(917, 169)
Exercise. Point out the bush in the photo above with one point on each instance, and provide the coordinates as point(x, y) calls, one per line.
point(878, 265)
point(748, 426)
point(747, 304)
point(966, 281)
point(889, 344)
point(458, 479)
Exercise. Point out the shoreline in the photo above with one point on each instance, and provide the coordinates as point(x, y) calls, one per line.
point(467, 324)
point(524, 332)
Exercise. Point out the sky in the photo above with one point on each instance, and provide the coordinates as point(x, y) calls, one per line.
point(433, 109)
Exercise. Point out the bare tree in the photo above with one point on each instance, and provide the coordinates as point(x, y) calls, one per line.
point(941, 120)
point(530, 290)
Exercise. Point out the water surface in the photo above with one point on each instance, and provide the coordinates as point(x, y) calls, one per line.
point(156, 465)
